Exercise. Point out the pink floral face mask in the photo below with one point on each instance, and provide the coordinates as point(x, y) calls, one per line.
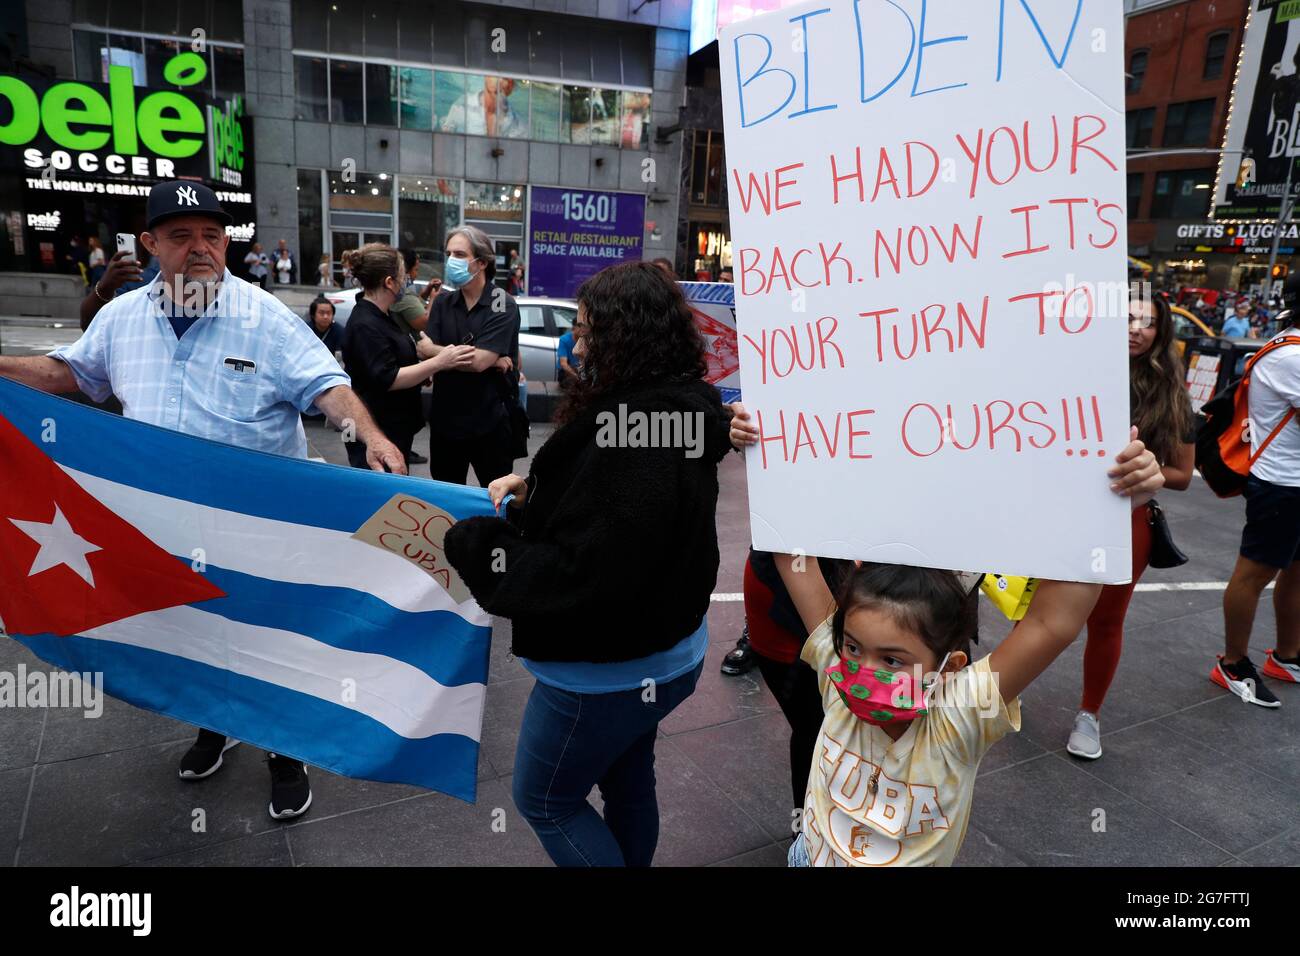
point(878, 696)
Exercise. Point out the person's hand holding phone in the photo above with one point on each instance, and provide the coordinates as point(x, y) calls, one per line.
point(122, 268)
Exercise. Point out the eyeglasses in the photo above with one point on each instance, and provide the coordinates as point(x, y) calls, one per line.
point(1141, 321)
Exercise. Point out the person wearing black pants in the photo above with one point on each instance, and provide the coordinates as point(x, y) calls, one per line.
point(777, 635)
point(386, 369)
point(795, 688)
point(469, 420)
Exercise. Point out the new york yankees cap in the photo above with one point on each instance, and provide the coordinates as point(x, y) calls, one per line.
point(174, 197)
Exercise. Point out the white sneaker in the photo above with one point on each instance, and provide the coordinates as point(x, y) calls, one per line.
point(1085, 739)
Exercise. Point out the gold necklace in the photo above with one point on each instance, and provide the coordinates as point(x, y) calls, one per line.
point(873, 782)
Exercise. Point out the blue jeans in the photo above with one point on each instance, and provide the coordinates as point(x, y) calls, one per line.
point(571, 742)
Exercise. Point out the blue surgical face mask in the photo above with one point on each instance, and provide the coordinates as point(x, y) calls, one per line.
point(457, 272)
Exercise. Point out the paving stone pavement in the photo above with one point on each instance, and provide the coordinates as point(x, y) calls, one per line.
point(1190, 776)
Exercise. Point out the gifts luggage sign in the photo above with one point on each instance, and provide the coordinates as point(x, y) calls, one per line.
point(928, 211)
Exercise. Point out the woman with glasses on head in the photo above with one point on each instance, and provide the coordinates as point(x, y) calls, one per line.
point(387, 371)
point(1160, 408)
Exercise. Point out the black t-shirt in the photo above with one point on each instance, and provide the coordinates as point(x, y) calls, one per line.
point(374, 350)
point(471, 404)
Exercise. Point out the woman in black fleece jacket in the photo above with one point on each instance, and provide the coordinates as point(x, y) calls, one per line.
point(606, 566)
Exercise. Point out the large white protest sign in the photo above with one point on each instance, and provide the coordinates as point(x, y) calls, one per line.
point(928, 214)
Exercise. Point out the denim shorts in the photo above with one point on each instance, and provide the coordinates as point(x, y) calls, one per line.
point(1272, 532)
point(798, 855)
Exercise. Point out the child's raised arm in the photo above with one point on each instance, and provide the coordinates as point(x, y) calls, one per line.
point(812, 598)
point(1055, 617)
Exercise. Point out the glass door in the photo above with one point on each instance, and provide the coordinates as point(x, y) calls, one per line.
point(340, 242)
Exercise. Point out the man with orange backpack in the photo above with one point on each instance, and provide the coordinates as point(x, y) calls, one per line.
point(1265, 418)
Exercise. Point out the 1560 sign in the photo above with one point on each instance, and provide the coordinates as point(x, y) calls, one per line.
point(80, 119)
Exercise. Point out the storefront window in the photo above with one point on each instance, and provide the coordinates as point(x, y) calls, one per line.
point(381, 95)
point(346, 104)
point(494, 201)
point(511, 105)
point(309, 226)
point(427, 209)
point(546, 112)
point(449, 95)
point(312, 98)
point(415, 98)
point(606, 119)
point(636, 120)
point(577, 113)
point(361, 192)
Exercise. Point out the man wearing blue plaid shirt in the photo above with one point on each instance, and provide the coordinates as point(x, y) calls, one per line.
point(205, 353)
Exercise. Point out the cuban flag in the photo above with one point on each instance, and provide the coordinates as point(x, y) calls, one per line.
point(304, 608)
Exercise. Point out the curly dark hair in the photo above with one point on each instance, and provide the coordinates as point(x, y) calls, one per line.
point(641, 332)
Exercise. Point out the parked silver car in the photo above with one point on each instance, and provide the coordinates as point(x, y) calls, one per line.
point(541, 323)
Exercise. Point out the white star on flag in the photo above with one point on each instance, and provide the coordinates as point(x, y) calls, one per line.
point(59, 545)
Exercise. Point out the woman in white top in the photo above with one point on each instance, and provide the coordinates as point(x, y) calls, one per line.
point(283, 267)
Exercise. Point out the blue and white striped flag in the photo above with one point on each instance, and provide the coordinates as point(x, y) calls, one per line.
point(304, 608)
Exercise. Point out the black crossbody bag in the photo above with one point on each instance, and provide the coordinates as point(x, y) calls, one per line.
point(1164, 552)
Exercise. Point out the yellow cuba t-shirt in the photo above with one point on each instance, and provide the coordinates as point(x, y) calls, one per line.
point(918, 815)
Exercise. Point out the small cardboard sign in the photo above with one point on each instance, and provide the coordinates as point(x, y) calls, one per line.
point(414, 530)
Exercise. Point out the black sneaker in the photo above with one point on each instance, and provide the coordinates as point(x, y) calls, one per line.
point(415, 458)
point(290, 791)
point(741, 658)
point(204, 758)
point(1243, 680)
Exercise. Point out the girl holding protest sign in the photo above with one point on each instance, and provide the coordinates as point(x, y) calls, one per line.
point(1160, 406)
point(907, 717)
point(896, 620)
